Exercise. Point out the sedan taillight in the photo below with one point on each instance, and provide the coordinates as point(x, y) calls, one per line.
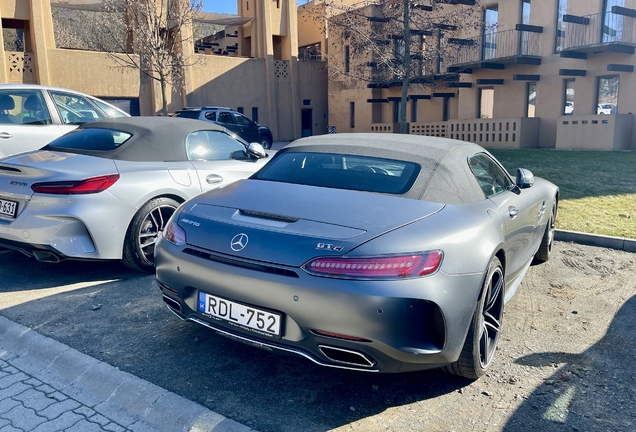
point(380, 267)
point(79, 187)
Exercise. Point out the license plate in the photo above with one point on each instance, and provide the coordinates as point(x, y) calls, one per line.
point(246, 317)
point(8, 208)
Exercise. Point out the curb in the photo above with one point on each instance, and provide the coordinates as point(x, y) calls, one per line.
point(618, 243)
point(119, 396)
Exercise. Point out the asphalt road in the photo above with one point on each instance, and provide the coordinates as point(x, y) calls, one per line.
point(556, 366)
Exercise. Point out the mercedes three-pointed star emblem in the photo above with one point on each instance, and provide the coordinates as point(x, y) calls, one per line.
point(239, 242)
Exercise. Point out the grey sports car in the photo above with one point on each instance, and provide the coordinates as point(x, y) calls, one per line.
point(105, 190)
point(374, 252)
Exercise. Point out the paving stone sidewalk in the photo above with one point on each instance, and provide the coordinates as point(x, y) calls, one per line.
point(46, 386)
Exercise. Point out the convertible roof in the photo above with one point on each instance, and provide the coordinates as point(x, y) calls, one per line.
point(445, 176)
point(154, 139)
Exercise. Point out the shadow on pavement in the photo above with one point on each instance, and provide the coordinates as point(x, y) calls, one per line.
point(590, 391)
point(126, 324)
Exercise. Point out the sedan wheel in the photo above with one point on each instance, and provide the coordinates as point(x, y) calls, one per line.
point(483, 335)
point(150, 220)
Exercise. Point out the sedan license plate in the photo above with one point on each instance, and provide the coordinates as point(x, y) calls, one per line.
point(8, 208)
point(249, 318)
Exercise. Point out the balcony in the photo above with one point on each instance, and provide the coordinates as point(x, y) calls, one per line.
point(495, 50)
point(610, 31)
point(20, 67)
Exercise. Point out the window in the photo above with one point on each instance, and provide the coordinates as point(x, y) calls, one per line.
point(414, 110)
point(560, 25)
point(255, 114)
point(568, 100)
point(396, 111)
point(110, 112)
point(225, 117)
point(352, 115)
point(532, 100)
point(491, 22)
point(607, 96)
point(92, 139)
point(492, 178)
point(240, 109)
point(347, 59)
point(486, 102)
point(310, 52)
point(613, 23)
point(74, 109)
point(341, 171)
point(241, 120)
point(209, 115)
point(23, 106)
point(524, 36)
point(213, 145)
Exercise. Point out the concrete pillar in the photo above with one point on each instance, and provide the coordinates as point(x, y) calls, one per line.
point(42, 38)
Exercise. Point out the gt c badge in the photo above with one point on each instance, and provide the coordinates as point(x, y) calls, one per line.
point(239, 242)
point(327, 246)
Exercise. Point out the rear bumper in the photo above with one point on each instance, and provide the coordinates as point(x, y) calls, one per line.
point(407, 325)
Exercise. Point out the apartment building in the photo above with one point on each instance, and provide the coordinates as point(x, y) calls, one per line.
point(256, 70)
point(513, 73)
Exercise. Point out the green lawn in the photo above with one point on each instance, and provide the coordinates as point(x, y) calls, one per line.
point(598, 188)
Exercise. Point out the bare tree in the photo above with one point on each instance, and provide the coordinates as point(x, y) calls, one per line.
point(155, 32)
point(396, 42)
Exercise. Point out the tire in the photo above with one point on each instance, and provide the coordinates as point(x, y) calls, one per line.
point(545, 248)
point(139, 243)
point(483, 335)
point(266, 142)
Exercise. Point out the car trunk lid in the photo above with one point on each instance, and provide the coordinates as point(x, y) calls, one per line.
point(289, 224)
point(19, 173)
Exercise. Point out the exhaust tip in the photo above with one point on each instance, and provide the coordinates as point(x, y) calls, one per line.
point(46, 256)
point(346, 356)
point(172, 303)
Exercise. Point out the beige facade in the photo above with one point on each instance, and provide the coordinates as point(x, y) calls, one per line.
point(261, 74)
point(547, 83)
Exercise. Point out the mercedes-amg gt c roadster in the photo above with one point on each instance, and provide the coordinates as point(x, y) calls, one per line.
point(373, 252)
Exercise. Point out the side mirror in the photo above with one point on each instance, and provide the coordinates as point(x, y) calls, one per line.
point(525, 178)
point(256, 149)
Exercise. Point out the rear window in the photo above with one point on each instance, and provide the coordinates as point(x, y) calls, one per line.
point(187, 114)
point(342, 171)
point(91, 139)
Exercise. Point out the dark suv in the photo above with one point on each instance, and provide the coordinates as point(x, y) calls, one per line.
point(247, 129)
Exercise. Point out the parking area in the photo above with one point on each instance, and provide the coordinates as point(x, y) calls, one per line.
point(565, 361)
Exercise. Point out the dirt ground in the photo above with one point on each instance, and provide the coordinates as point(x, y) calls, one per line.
point(566, 359)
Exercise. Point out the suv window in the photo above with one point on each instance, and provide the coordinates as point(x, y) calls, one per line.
point(241, 119)
point(492, 179)
point(225, 117)
point(187, 114)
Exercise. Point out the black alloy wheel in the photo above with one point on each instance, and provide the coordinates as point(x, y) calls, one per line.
point(150, 220)
point(483, 335)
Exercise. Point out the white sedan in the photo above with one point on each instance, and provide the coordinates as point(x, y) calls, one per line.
point(32, 115)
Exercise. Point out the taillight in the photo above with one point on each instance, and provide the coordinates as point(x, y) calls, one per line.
point(174, 233)
point(79, 187)
point(380, 267)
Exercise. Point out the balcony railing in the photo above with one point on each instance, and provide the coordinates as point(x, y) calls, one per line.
point(598, 29)
point(493, 46)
